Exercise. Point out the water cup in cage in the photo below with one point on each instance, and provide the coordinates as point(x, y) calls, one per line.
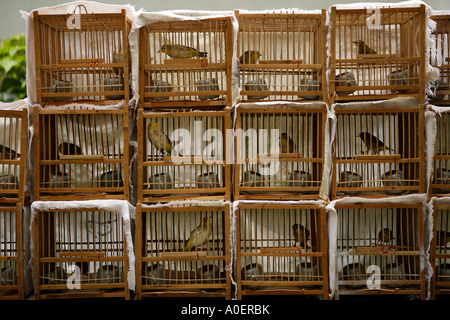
point(160, 181)
point(442, 176)
point(60, 180)
point(443, 272)
point(208, 274)
point(252, 272)
point(111, 179)
point(108, 274)
point(252, 179)
point(114, 84)
point(399, 78)
point(56, 276)
point(208, 85)
point(345, 80)
point(61, 86)
point(309, 85)
point(307, 271)
point(393, 271)
point(8, 182)
point(349, 179)
point(160, 86)
point(299, 179)
point(355, 272)
point(8, 276)
point(155, 274)
point(208, 180)
point(257, 85)
point(393, 178)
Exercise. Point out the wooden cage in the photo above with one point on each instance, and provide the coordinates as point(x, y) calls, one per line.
point(81, 153)
point(80, 252)
point(378, 151)
point(379, 249)
point(282, 56)
point(81, 57)
point(186, 63)
point(281, 249)
point(279, 151)
point(439, 250)
point(377, 53)
point(441, 158)
point(13, 155)
point(183, 251)
point(182, 154)
point(11, 252)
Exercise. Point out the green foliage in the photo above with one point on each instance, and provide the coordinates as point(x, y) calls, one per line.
point(13, 79)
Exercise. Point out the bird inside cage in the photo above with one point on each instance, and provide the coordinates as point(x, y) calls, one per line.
point(158, 138)
point(250, 57)
point(178, 51)
point(363, 48)
point(373, 144)
point(286, 143)
point(301, 235)
point(199, 235)
point(385, 236)
point(7, 153)
point(68, 148)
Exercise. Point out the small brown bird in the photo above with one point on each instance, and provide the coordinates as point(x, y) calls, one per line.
point(286, 144)
point(442, 238)
point(8, 153)
point(301, 234)
point(363, 48)
point(372, 143)
point(178, 51)
point(199, 235)
point(385, 236)
point(250, 57)
point(67, 148)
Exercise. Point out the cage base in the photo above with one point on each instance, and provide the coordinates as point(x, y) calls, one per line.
point(191, 293)
point(273, 291)
point(83, 293)
point(361, 98)
point(277, 196)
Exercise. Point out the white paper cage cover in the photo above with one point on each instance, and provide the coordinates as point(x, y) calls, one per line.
point(121, 207)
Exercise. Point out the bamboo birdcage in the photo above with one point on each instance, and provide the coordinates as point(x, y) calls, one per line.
point(279, 151)
point(80, 252)
point(13, 155)
point(441, 158)
point(292, 49)
point(11, 253)
point(441, 37)
point(182, 154)
point(81, 153)
point(378, 150)
point(439, 251)
point(379, 249)
point(186, 63)
point(390, 62)
point(81, 56)
point(169, 263)
point(270, 260)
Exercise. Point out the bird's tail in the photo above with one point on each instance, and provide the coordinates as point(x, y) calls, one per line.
point(202, 54)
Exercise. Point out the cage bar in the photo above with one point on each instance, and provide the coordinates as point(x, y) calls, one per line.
point(186, 63)
point(379, 249)
point(441, 37)
point(182, 155)
point(81, 153)
point(13, 155)
point(378, 150)
point(281, 249)
point(377, 53)
point(80, 252)
point(11, 253)
point(282, 56)
point(279, 151)
point(183, 251)
point(81, 56)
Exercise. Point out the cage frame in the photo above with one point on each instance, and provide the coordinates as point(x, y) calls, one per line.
point(90, 290)
point(218, 290)
point(274, 287)
point(79, 193)
point(387, 59)
point(277, 66)
point(442, 28)
point(89, 64)
point(21, 163)
point(418, 112)
point(184, 66)
point(282, 193)
point(387, 250)
point(154, 196)
point(15, 291)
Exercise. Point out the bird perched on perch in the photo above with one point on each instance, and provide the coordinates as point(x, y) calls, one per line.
point(158, 138)
point(118, 58)
point(286, 144)
point(363, 48)
point(385, 236)
point(181, 52)
point(67, 148)
point(250, 57)
point(199, 235)
point(301, 234)
point(372, 143)
point(8, 153)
